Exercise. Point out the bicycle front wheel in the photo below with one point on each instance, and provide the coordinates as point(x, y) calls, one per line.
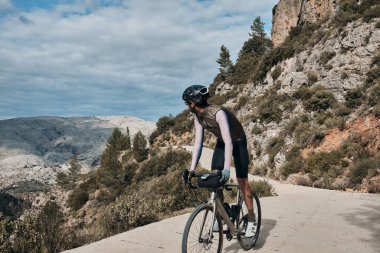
point(248, 242)
point(199, 234)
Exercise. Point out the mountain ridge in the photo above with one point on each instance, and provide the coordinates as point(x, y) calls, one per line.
point(41, 146)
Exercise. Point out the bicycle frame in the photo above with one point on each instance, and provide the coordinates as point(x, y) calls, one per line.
point(218, 208)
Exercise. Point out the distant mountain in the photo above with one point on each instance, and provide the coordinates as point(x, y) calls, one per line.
point(38, 147)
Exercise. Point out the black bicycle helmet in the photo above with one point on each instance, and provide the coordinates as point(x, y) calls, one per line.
point(197, 94)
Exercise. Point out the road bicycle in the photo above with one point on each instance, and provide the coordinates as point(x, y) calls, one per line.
point(200, 233)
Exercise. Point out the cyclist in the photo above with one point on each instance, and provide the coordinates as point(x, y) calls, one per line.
point(231, 141)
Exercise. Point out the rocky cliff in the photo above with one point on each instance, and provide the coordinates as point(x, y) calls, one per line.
point(290, 13)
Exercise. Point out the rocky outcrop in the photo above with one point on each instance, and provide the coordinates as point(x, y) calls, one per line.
point(290, 13)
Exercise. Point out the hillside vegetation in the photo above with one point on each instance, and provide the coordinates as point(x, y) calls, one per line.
point(310, 108)
point(319, 88)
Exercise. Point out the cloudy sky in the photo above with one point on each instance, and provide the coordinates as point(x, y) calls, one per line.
point(115, 57)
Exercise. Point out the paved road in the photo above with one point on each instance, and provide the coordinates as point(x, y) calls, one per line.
point(299, 220)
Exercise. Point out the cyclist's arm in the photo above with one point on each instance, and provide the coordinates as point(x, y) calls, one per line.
point(221, 118)
point(198, 145)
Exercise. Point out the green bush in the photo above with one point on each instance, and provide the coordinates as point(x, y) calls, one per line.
point(361, 168)
point(276, 72)
point(371, 13)
point(320, 100)
point(77, 198)
point(158, 165)
point(293, 166)
point(303, 93)
point(356, 147)
point(336, 122)
point(182, 123)
point(312, 78)
point(353, 98)
point(269, 112)
point(342, 110)
point(351, 10)
point(374, 95)
point(294, 162)
point(128, 212)
point(242, 102)
point(262, 188)
point(274, 146)
point(325, 57)
point(343, 75)
point(322, 164)
point(303, 134)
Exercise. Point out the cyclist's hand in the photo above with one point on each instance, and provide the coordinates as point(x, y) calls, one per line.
point(187, 175)
point(225, 175)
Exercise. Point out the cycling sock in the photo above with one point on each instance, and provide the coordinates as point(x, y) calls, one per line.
point(251, 216)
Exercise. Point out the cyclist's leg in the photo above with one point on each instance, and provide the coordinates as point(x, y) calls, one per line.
point(218, 162)
point(218, 156)
point(241, 158)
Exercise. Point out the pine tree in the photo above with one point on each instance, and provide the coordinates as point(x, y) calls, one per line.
point(259, 43)
point(74, 166)
point(226, 66)
point(128, 139)
point(257, 28)
point(118, 140)
point(139, 147)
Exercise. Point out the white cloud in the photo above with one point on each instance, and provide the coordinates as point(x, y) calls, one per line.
point(135, 57)
point(5, 4)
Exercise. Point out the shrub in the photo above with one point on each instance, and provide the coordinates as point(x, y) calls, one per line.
point(293, 166)
point(303, 134)
point(318, 138)
point(371, 13)
point(303, 93)
point(374, 95)
point(312, 78)
point(182, 123)
point(274, 146)
point(262, 188)
point(353, 98)
point(269, 112)
point(128, 212)
point(77, 198)
point(325, 57)
point(260, 170)
point(343, 75)
point(276, 72)
point(242, 102)
point(320, 164)
point(320, 100)
point(336, 122)
point(361, 168)
point(342, 110)
point(257, 130)
point(356, 147)
point(158, 165)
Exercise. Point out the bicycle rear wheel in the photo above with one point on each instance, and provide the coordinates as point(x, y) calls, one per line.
point(198, 235)
point(248, 242)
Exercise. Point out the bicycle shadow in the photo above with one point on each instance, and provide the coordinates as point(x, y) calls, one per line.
point(266, 226)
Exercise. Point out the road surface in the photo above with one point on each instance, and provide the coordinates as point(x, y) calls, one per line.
point(298, 220)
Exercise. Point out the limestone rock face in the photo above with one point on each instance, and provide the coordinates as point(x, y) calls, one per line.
point(290, 13)
point(285, 16)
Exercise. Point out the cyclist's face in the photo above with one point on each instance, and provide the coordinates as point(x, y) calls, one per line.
point(191, 106)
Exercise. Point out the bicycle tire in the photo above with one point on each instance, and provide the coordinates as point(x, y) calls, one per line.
point(248, 243)
point(191, 241)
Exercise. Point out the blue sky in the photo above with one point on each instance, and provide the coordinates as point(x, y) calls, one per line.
point(115, 57)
